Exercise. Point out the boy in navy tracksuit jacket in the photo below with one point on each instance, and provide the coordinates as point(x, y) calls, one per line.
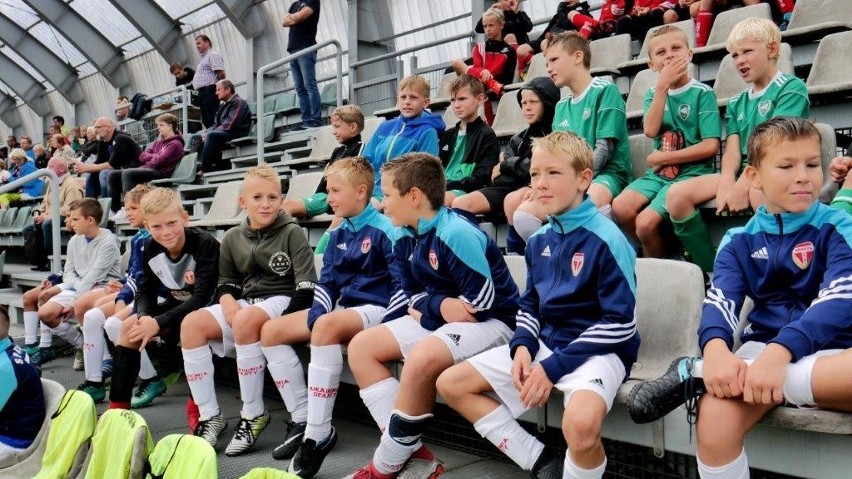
point(358, 289)
point(794, 260)
point(414, 130)
point(462, 301)
point(576, 324)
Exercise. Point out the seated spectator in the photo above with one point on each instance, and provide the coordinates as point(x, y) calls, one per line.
point(158, 161)
point(589, 28)
point(21, 395)
point(60, 146)
point(12, 142)
point(21, 167)
point(183, 75)
point(69, 190)
point(27, 146)
point(516, 28)
point(74, 139)
point(493, 61)
point(645, 15)
point(116, 151)
point(89, 148)
point(40, 156)
point(233, 120)
point(704, 11)
point(121, 113)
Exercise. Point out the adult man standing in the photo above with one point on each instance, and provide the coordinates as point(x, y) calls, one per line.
point(210, 69)
point(116, 150)
point(302, 21)
point(232, 120)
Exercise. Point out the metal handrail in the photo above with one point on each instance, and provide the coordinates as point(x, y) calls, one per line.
point(54, 203)
point(422, 46)
point(185, 97)
point(261, 72)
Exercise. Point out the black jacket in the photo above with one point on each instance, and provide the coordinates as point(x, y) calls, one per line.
point(481, 148)
point(517, 23)
point(350, 147)
point(121, 151)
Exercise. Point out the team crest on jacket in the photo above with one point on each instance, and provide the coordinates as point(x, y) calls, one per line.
point(365, 245)
point(683, 111)
point(433, 259)
point(577, 263)
point(803, 253)
point(280, 263)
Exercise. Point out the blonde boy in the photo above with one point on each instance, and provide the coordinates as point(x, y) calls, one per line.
point(462, 301)
point(163, 295)
point(266, 269)
point(583, 345)
point(754, 45)
point(796, 347)
point(682, 117)
point(357, 290)
point(416, 129)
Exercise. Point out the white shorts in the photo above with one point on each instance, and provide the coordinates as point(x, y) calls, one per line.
point(463, 339)
point(797, 385)
point(600, 374)
point(371, 314)
point(66, 297)
point(8, 452)
point(273, 307)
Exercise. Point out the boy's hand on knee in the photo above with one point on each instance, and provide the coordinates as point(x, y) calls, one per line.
point(145, 329)
point(454, 310)
point(521, 367)
point(66, 313)
point(536, 390)
point(113, 286)
point(724, 373)
point(765, 377)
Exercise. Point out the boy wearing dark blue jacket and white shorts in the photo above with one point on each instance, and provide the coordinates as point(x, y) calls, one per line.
point(794, 260)
point(576, 324)
point(462, 301)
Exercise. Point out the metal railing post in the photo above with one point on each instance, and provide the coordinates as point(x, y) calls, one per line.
point(55, 207)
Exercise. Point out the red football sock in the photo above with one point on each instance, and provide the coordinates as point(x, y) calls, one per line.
point(786, 6)
point(703, 23)
point(580, 21)
point(119, 405)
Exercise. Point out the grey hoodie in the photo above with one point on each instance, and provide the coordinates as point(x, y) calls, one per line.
point(91, 262)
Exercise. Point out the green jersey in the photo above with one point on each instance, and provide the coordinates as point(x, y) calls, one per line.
point(595, 114)
point(691, 109)
point(457, 170)
point(785, 95)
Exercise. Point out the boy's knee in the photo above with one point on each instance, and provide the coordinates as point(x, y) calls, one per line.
point(426, 361)
point(451, 384)
point(325, 331)
point(670, 16)
point(648, 224)
point(623, 210)
point(190, 327)
point(582, 428)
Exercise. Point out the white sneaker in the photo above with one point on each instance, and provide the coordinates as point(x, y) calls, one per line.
point(119, 216)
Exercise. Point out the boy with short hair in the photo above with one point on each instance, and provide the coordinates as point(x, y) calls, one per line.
point(266, 269)
point(414, 130)
point(595, 111)
point(575, 332)
point(755, 45)
point(469, 150)
point(21, 395)
point(347, 123)
point(118, 306)
point(797, 343)
point(94, 259)
point(682, 117)
point(462, 300)
point(179, 276)
point(358, 289)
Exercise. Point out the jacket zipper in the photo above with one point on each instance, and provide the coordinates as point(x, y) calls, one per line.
point(393, 141)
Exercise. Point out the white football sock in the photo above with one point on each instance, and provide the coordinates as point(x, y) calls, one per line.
point(323, 381)
point(146, 368)
point(573, 471)
point(30, 327)
point(94, 344)
point(502, 430)
point(250, 369)
point(198, 365)
point(69, 333)
point(738, 469)
point(46, 336)
point(399, 441)
point(286, 369)
point(379, 399)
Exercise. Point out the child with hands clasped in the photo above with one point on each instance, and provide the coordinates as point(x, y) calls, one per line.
point(576, 329)
point(794, 259)
point(682, 117)
point(266, 269)
point(754, 44)
point(462, 301)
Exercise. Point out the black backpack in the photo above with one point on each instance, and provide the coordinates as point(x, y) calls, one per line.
point(34, 245)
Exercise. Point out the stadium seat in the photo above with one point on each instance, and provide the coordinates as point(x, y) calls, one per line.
point(269, 105)
point(370, 125)
point(828, 150)
point(608, 53)
point(251, 138)
point(120, 446)
point(442, 98)
point(640, 147)
point(324, 145)
point(106, 203)
point(183, 456)
point(814, 19)
point(518, 269)
point(304, 185)
point(71, 427)
point(27, 462)
point(225, 206)
point(509, 119)
point(7, 217)
point(328, 95)
point(831, 72)
point(641, 61)
point(286, 102)
point(643, 80)
point(729, 82)
point(21, 219)
point(722, 26)
point(184, 173)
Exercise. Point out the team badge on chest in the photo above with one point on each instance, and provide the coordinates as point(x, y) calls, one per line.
point(365, 245)
point(683, 111)
point(433, 259)
point(803, 253)
point(764, 107)
point(577, 263)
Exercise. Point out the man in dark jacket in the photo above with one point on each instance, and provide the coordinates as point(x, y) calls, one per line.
point(116, 150)
point(233, 120)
